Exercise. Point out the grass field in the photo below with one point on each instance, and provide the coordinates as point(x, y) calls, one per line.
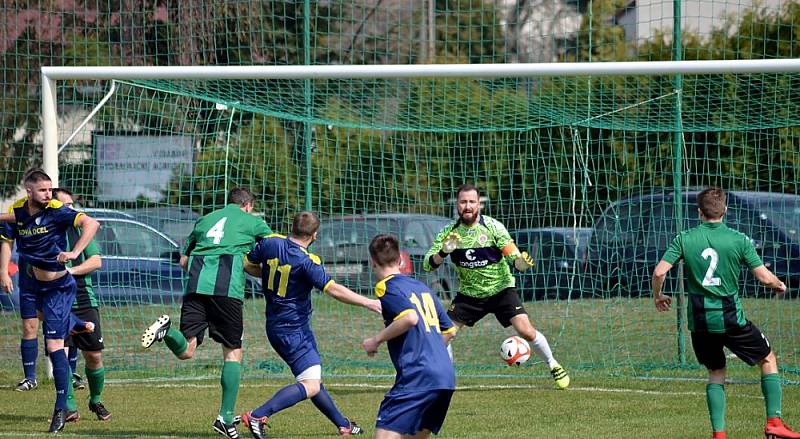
point(622, 356)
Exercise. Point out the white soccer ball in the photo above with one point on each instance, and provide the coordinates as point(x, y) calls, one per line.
point(515, 350)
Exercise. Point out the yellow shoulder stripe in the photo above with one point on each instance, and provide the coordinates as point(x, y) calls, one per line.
point(275, 235)
point(380, 287)
point(75, 221)
point(315, 259)
point(404, 312)
point(328, 285)
point(55, 204)
point(452, 329)
point(17, 204)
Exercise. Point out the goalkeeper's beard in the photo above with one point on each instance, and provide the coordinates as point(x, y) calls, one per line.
point(468, 221)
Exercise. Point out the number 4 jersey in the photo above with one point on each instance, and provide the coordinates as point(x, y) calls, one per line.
point(420, 355)
point(713, 254)
point(216, 249)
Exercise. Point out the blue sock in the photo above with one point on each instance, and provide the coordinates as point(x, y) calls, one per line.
point(60, 377)
point(284, 398)
point(73, 359)
point(29, 349)
point(324, 403)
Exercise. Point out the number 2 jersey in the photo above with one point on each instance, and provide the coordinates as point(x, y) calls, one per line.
point(216, 249)
point(288, 274)
point(713, 254)
point(479, 260)
point(419, 355)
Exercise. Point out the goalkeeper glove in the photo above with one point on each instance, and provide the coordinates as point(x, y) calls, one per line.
point(449, 244)
point(523, 262)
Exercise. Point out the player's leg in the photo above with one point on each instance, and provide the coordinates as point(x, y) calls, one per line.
point(91, 344)
point(183, 342)
point(72, 406)
point(57, 297)
point(465, 310)
point(708, 348)
point(77, 379)
point(509, 311)
point(29, 343)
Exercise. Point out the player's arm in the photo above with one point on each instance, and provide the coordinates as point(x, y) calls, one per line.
point(661, 300)
point(401, 324)
point(350, 297)
point(8, 217)
point(252, 268)
point(88, 266)
point(88, 226)
point(5, 259)
point(768, 279)
point(445, 243)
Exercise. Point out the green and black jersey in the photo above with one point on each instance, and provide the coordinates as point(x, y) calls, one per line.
point(85, 296)
point(713, 254)
point(216, 249)
point(483, 268)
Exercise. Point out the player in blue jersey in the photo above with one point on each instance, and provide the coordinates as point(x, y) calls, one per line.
point(417, 332)
point(39, 225)
point(288, 274)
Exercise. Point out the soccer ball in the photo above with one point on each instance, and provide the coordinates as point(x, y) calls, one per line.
point(515, 350)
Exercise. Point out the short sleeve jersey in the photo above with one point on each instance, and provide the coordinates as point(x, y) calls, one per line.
point(85, 296)
point(42, 236)
point(714, 255)
point(482, 269)
point(217, 246)
point(288, 274)
point(419, 355)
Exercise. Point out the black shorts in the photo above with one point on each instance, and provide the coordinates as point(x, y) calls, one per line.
point(504, 305)
point(91, 342)
point(220, 314)
point(747, 342)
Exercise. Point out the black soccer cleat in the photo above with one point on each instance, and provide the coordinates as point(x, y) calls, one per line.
point(156, 332)
point(227, 430)
point(100, 410)
point(351, 430)
point(255, 425)
point(58, 421)
point(26, 384)
point(72, 416)
point(77, 382)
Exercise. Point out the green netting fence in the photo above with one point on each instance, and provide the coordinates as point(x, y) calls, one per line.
point(583, 170)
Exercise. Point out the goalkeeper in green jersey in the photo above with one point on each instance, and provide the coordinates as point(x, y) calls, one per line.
point(214, 293)
point(713, 255)
point(482, 250)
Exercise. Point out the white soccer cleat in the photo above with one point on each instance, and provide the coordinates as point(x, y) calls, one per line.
point(156, 332)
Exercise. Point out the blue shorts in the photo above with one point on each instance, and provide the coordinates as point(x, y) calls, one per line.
point(410, 413)
point(55, 299)
point(296, 347)
point(28, 299)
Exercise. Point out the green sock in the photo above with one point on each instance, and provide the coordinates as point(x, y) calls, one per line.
point(71, 404)
point(97, 379)
point(175, 341)
point(771, 388)
point(715, 397)
point(231, 375)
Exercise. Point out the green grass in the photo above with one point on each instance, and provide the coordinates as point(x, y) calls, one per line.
point(485, 408)
point(628, 380)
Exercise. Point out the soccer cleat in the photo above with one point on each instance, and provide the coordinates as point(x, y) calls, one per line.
point(560, 376)
point(351, 430)
point(72, 416)
point(255, 425)
point(776, 429)
point(156, 332)
point(77, 382)
point(227, 430)
point(718, 435)
point(26, 384)
point(100, 410)
point(58, 421)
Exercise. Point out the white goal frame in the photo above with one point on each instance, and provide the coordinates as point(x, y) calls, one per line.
point(52, 74)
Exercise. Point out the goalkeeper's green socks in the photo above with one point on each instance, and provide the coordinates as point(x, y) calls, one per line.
point(715, 397)
point(176, 342)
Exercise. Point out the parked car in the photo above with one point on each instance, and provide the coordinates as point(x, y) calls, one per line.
point(632, 234)
point(343, 246)
point(559, 254)
point(174, 221)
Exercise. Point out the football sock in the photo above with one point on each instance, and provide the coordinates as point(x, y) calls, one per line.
point(73, 359)
point(284, 398)
point(542, 349)
point(29, 350)
point(324, 403)
point(97, 380)
point(229, 380)
point(715, 398)
point(61, 377)
point(176, 342)
point(71, 404)
point(771, 389)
